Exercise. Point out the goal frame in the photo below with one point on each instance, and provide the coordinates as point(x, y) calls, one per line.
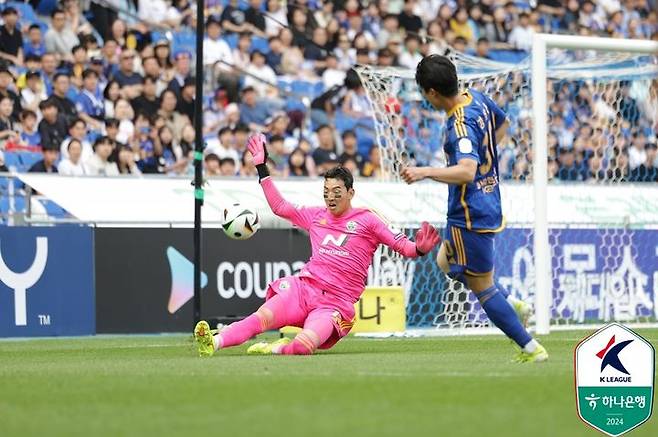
point(538, 80)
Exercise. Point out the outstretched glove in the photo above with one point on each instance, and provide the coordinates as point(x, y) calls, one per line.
point(256, 146)
point(427, 237)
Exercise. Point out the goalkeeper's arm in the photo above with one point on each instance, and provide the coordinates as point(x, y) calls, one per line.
point(279, 206)
point(426, 239)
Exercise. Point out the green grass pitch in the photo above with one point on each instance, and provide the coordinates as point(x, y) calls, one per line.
point(157, 386)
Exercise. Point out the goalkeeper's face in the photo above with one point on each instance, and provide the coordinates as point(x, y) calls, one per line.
point(337, 198)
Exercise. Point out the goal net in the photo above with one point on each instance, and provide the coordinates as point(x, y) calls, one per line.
point(601, 207)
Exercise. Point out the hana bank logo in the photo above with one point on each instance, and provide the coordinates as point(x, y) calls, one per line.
point(21, 282)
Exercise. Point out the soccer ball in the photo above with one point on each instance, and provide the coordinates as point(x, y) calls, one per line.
point(240, 222)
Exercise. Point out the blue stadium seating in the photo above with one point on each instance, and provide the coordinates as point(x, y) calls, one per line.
point(231, 39)
point(283, 85)
point(343, 122)
point(183, 41)
point(28, 159)
point(302, 88)
point(260, 44)
point(318, 89)
point(46, 7)
point(12, 159)
point(365, 138)
point(242, 4)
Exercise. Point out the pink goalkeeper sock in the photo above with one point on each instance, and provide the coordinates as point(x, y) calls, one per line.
point(301, 345)
point(239, 332)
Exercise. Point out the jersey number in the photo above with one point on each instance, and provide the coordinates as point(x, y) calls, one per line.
point(486, 167)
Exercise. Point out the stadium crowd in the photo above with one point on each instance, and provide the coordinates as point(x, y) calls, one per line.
point(107, 87)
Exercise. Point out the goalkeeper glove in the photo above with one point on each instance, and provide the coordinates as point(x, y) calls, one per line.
point(256, 146)
point(427, 237)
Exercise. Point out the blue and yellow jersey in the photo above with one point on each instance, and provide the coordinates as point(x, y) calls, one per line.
point(471, 134)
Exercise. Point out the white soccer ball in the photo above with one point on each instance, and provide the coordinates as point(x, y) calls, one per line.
point(240, 222)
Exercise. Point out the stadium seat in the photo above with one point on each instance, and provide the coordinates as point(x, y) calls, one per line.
point(46, 7)
point(28, 159)
point(510, 56)
point(260, 44)
point(365, 138)
point(231, 39)
point(318, 89)
point(283, 85)
point(25, 12)
point(294, 103)
point(302, 88)
point(184, 41)
point(343, 122)
point(242, 4)
point(12, 159)
point(156, 36)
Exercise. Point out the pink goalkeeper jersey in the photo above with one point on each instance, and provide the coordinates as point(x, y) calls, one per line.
point(342, 247)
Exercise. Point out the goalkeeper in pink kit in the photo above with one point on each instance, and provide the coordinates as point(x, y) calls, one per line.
point(321, 297)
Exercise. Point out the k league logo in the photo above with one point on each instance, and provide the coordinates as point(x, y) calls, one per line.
point(21, 282)
point(610, 356)
point(614, 379)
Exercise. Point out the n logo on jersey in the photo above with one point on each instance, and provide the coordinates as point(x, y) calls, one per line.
point(340, 241)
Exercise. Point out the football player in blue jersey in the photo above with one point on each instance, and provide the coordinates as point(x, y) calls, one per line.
point(475, 123)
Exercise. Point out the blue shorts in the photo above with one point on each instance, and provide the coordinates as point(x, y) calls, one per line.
point(469, 252)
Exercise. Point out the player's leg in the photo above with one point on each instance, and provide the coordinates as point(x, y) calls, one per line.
point(522, 309)
point(448, 255)
point(322, 329)
point(472, 263)
point(505, 318)
point(282, 308)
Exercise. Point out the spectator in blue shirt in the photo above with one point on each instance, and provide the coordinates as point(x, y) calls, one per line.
point(34, 44)
point(90, 104)
point(29, 133)
point(253, 112)
point(273, 57)
point(48, 70)
point(129, 81)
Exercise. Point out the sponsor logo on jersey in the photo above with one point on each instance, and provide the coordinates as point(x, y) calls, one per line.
point(340, 241)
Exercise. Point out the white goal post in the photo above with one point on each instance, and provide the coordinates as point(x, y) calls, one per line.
point(541, 43)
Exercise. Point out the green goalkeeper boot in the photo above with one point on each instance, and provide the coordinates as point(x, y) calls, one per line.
point(203, 337)
point(264, 348)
